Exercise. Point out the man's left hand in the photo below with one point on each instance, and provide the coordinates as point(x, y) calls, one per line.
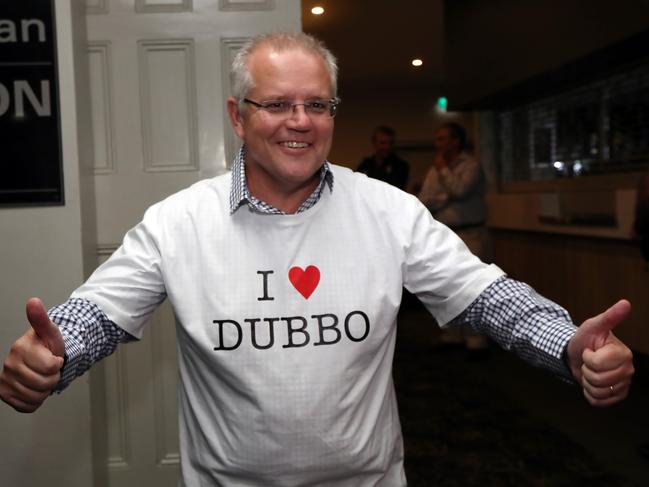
point(601, 363)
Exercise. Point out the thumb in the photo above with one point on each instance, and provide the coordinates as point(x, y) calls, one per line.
point(47, 331)
point(598, 328)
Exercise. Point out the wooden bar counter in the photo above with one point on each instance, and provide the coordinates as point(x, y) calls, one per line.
point(572, 241)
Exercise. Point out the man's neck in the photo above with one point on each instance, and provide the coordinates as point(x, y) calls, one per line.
point(380, 158)
point(287, 199)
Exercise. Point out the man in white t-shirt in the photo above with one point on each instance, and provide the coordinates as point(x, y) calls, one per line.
point(285, 276)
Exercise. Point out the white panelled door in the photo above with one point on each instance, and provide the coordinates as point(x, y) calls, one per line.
point(158, 75)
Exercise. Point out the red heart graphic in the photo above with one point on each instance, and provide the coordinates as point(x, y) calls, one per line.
point(305, 281)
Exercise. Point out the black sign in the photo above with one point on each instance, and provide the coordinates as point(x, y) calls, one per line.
point(31, 170)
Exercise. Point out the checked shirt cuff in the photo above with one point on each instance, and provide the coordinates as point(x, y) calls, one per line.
point(88, 336)
point(521, 320)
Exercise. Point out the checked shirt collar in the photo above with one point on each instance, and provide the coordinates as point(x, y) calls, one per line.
point(240, 195)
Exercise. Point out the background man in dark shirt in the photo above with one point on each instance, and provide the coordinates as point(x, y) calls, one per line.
point(384, 164)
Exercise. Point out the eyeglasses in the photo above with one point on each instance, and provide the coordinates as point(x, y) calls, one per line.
point(316, 108)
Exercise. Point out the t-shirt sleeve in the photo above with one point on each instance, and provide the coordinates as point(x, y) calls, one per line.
point(129, 286)
point(440, 270)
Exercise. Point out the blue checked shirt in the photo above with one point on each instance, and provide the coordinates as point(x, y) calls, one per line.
point(508, 311)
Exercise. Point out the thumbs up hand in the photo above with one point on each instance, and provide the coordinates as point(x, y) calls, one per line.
point(32, 367)
point(601, 363)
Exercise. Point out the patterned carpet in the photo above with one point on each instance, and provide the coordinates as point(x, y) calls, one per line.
point(460, 431)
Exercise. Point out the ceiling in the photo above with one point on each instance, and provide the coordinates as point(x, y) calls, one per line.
point(490, 45)
point(375, 40)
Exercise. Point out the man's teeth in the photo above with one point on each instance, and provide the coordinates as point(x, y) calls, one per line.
point(295, 145)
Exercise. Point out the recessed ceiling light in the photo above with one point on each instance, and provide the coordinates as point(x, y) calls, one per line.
point(317, 10)
point(417, 62)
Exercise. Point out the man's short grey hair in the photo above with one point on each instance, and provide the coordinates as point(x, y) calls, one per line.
point(240, 78)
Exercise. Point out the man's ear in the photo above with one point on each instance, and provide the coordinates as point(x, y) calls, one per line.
point(235, 117)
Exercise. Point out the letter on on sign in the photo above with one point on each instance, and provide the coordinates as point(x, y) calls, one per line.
point(21, 90)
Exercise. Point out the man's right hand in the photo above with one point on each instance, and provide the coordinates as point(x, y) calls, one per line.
point(32, 368)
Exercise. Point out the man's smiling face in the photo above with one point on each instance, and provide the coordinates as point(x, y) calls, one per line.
point(285, 151)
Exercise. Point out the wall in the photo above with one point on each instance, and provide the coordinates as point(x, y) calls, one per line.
point(41, 254)
point(493, 45)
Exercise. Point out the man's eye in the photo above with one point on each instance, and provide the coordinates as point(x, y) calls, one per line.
point(276, 106)
point(317, 106)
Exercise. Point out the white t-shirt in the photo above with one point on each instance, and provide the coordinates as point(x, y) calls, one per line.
point(286, 325)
